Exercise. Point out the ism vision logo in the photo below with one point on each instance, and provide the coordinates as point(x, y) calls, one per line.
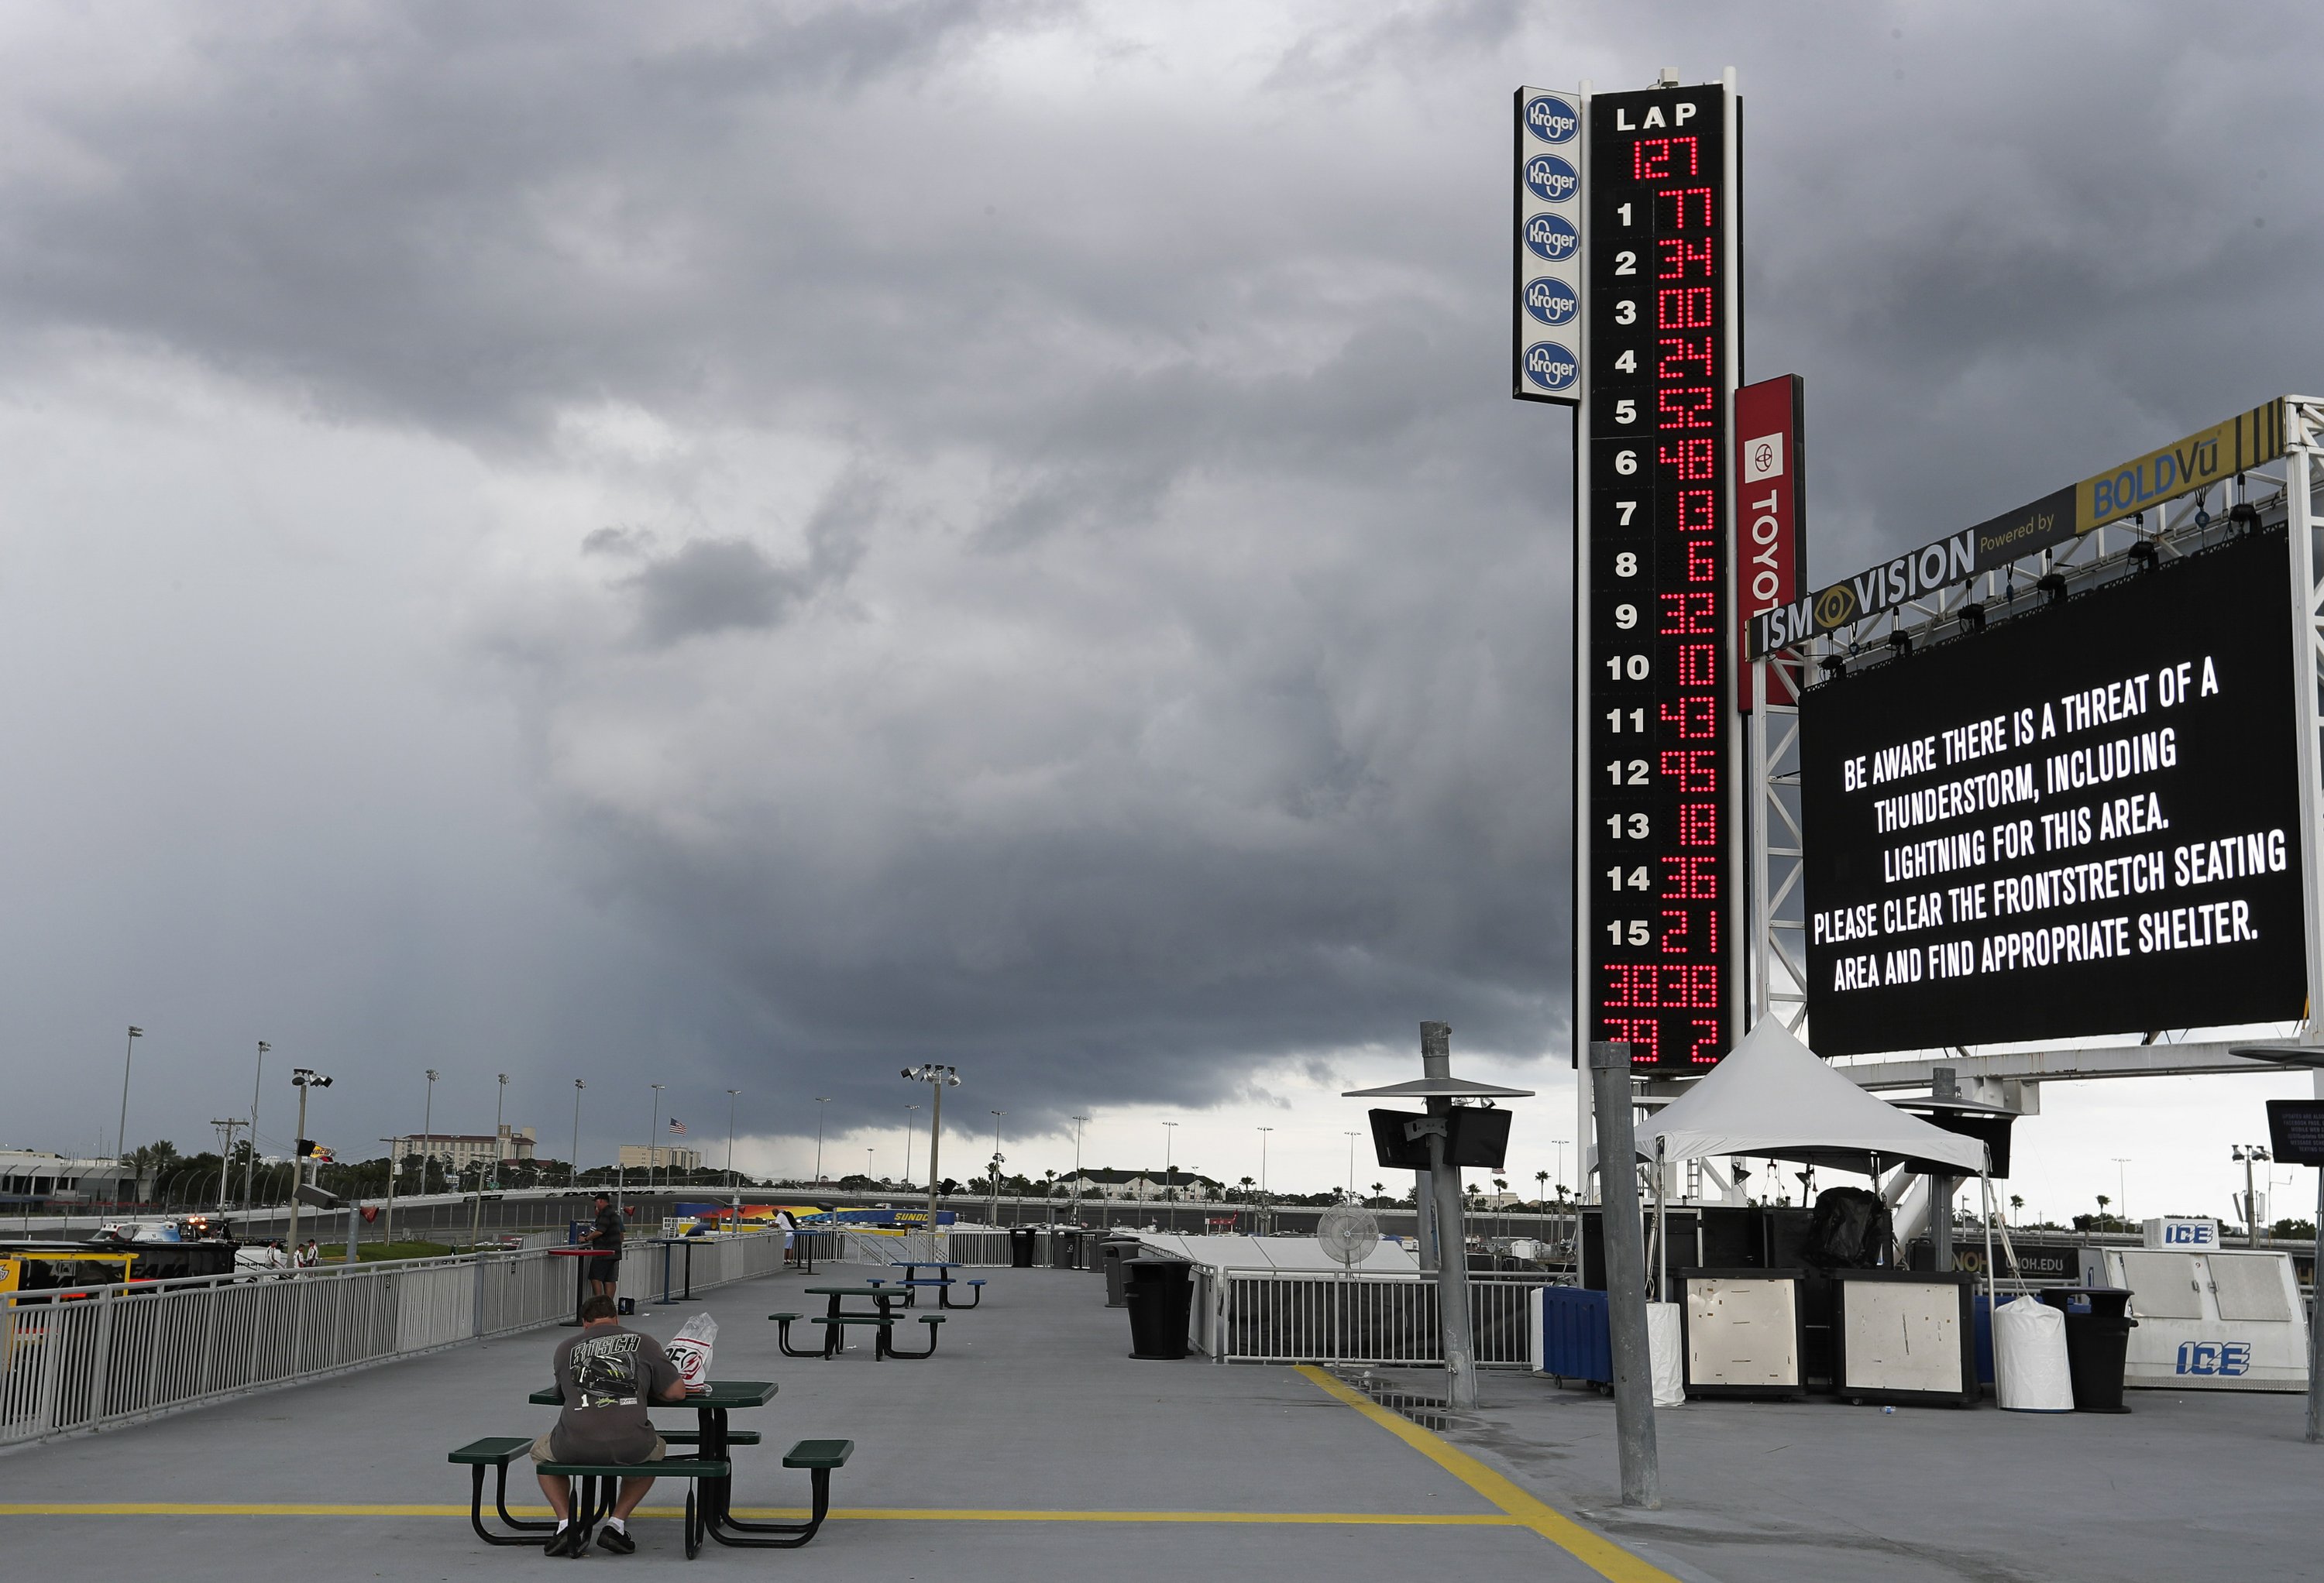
point(1551, 367)
point(1552, 301)
point(1551, 178)
point(1551, 237)
point(1551, 119)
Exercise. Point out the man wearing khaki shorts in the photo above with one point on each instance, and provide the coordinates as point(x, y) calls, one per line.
point(609, 1378)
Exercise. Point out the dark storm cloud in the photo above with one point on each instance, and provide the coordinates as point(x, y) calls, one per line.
point(1146, 657)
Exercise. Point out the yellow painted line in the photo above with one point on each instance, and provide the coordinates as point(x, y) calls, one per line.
point(1592, 1549)
point(837, 1514)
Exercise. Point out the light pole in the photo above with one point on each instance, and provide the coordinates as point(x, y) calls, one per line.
point(427, 1130)
point(1170, 1170)
point(1262, 1162)
point(573, 1166)
point(302, 1079)
point(732, 1186)
point(907, 1143)
point(1351, 1167)
point(2248, 1154)
point(2121, 1190)
point(819, 1103)
point(997, 1115)
point(500, 1110)
point(938, 1078)
point(1078, 1120)
point(250, 1171)
point(868, 1177)
point(121, 1133)
point(653, 1130)
point(226, 1159)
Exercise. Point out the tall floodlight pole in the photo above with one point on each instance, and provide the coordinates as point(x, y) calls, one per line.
point(1351, 1166)
point(250, 1171)
point(2122, 1189)
point(907, 1143)
point(732, 1184)
point(1262, 1162)
point(302, 1079)
point(1078, 1122)
point(121, 1133)
point(1170, 1170)
point(938, 1078)
point(997, 1115)
point(573, 1166)
point(653, 1131)
point(499, 1110)
point(428, 1131)
point(820, 1102)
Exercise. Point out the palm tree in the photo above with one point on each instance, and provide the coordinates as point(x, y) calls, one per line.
point(2103, 1201)
point(2016, 1204)
point(1377, 1189)
point(1541, 1178)
point(1248, 1183)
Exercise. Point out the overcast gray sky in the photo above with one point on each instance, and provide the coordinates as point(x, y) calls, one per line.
point(751, 547)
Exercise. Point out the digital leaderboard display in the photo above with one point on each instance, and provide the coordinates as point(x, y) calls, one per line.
point(2082, 821)
point(1657, 692)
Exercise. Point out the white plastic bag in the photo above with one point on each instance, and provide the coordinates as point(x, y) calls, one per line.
point(1665, 1347)
point(690, 1350)
point(2029, 1358)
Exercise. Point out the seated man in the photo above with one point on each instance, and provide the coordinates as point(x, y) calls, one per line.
point(608, 1376)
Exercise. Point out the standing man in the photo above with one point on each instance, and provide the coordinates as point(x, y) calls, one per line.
point(609, 1377)
point(606, 1238)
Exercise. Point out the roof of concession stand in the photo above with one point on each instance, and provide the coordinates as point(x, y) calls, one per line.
point(1774, 1097)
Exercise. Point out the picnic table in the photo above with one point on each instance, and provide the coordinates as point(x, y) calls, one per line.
point(715, 1439)
point(667, 1244)
point(943, 1282)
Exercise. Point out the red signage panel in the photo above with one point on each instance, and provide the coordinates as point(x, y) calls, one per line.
point(1771, 546)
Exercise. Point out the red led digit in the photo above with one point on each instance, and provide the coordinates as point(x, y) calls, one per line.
point(1696, 769)
point(1698, 511)
point(1684, 308)
point(1701, 561)
point(1680, 256)
point(1686, 406)
point(1697, 717)
point(1677, 351)
point(1697, 460)
point(1656, 159)
point(1643, 1034)
point(1673, 940)
point(1704, 1051)
point(1698, 824)
point(1698, 665)
point(1690, 615)
point(1690, 878)
point(1688, 200)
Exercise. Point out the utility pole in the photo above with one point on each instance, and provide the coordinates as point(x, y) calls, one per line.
point(573, 1166)
point(121, 1133)
point(938, 1078)
point(732, 1185)
point(820, 1102)
point(1626, 1276)
point(302, 1079)
point(250, 1172)
point(500, 1110)
point(226, 1129)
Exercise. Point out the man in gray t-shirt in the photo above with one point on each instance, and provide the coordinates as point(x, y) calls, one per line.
point(609, 1377)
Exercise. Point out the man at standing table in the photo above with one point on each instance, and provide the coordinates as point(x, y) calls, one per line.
point(606, 1237)
point(608, 1376)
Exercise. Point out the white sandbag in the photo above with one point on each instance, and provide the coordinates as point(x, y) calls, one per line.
point(690, 1350)
point(2029, 1358)
point(1666, 1346)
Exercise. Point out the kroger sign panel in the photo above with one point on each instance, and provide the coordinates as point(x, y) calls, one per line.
point(1547, 251)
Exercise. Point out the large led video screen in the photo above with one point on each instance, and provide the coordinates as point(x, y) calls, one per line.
point(2082, 821)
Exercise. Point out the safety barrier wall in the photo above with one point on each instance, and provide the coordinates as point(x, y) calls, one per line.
point(1249, 1316)
point(109, 1355)
point(981, 1250)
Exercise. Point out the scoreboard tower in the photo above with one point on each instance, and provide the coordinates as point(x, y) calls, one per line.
point(1629, 311)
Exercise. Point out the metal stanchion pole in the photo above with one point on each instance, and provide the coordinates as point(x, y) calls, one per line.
point(1626, 1276)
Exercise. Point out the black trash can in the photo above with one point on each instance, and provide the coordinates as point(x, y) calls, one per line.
point(1020, 1248)
point(2097, 1343)
point(1161, 1296)
point(1112, 1254)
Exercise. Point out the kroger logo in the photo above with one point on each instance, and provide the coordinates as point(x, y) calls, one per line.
point(2219, 1359)
point(1551, 367)
point(1551, 300)
point(1551, 237)
point(1551, 118)
point(1551, 178)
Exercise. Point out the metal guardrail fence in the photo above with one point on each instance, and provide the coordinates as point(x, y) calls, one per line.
point(102, 1356)
point(1248, 1316)
point(981, 1250)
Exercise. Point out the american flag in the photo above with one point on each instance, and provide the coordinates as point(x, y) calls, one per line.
point(677, 1126)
